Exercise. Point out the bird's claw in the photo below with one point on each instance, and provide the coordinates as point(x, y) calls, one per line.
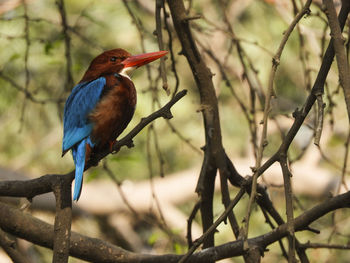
point(111, 145)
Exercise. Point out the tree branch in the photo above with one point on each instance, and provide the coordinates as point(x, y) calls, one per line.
point(263, 139)
point(214, 156)
point(338, 42)
point(63, 219)
point(10, 247)
point(67, 45)
point(46, 183)
point(38, 232)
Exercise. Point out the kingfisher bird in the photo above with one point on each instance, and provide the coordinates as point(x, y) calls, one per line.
point(100, 106)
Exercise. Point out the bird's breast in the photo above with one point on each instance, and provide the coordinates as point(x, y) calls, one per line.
point(114, 111)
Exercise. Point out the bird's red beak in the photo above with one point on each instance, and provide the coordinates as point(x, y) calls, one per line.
point(142, 59)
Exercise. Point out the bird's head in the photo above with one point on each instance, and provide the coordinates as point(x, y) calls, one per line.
point(118, 61)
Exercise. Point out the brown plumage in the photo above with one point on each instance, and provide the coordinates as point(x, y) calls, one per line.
point(109, 62)
point(114, 111)
point(101, 106)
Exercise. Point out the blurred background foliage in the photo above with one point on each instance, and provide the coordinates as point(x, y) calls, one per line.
point(32, 132)
point(32, 97)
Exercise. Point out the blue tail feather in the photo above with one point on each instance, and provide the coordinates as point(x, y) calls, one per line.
point(78, 152)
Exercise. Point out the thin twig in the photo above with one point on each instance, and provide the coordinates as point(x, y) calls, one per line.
point(328, 246)
point(189, 224)
point(171, 50)
point(67, 45)
point(289, 207)
point(263, 141)
point(319, 119)
point(9, 245)
point(270, 223)
point(213, 227)
point(345, 165)
point(28, 94)
point(120, 190)
point(26, 57)
point(151, 174)
point(158, 152)
point(159, 34)
point(141, 31)
point(183, 138)
point(147, 218)
point(339, 41)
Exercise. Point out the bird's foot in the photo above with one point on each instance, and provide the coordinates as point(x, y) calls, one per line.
point(111, 145)
point(114, 149)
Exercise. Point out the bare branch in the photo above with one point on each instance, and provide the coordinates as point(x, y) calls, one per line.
point(63, 219)
point(159, 34)
point(270, 92)
point(67, 45)
point(339, 41)
point(319, 122)
point(213, 227)
point(9, 245)
point(36, 231)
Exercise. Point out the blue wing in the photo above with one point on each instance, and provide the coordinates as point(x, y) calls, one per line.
point(79, 104)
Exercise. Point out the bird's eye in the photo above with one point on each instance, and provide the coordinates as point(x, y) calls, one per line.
point(113, 59)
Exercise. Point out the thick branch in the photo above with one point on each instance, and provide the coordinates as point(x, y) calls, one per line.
point(38, 232)
point(10, 247)
point(214, 156)
point(63, 219)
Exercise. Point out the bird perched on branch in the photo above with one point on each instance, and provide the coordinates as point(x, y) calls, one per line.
point(100, 106)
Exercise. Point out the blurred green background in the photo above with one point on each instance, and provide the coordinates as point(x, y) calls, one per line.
point(31, 129)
